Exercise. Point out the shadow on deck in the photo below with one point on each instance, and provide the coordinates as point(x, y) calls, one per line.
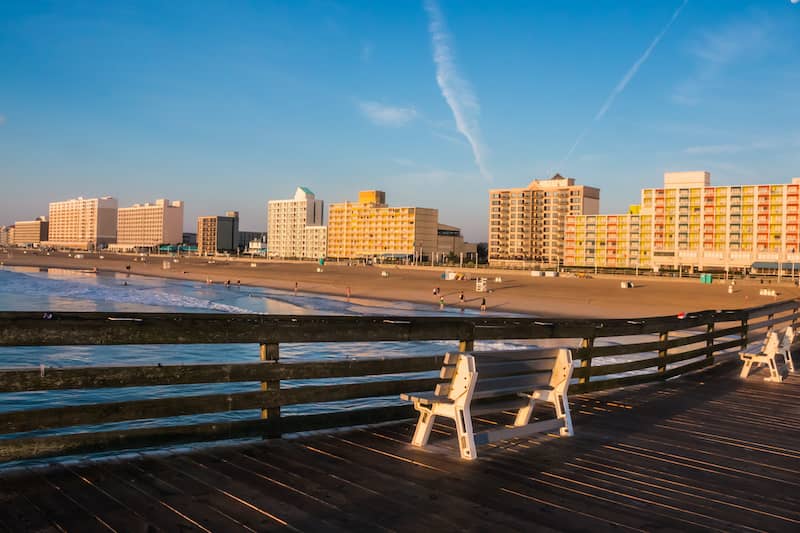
point(707, 451)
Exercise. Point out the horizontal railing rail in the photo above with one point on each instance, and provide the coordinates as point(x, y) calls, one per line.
point(654, 348)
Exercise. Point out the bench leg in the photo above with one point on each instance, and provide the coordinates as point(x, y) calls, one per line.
point(524, 414)
point(746, 368)
point(787, 357)
point(562, 411)
point(424, 426)
point(466, 437)
point(774, 374)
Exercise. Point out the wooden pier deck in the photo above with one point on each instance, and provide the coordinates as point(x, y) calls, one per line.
point(706, 451)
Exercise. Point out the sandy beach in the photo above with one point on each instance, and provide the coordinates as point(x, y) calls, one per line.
point(518, 292)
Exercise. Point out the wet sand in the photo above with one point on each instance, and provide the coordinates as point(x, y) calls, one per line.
point(518, 292)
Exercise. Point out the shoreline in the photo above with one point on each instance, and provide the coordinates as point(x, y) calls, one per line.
point(518, 292)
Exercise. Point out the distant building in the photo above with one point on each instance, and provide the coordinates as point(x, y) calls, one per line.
point(287, 221)
point(217, 234)
point(30, 232)
point(189, 238)
point(688, 223)
point(450, 241)
point(149, 225)
point(370, 228)
point(4, 241)
point(246, 237)
point(315, 242)
point(83, 223)
point(526, 224)
point(257, 247)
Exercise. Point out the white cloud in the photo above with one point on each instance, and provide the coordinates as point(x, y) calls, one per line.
point(716, 50)
point(386, 115)
point(456, 91)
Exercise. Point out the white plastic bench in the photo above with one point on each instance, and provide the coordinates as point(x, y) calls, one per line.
point(786, 348)
point(775, 347)
point(485, 382)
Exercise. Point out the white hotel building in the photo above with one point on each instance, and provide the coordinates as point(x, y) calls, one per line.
point(83, 223)
point(294, 227)
point(148, 225)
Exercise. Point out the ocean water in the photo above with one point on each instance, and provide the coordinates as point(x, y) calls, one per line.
point(53, 290)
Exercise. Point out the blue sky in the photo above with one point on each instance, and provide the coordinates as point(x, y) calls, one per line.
point(227, 105)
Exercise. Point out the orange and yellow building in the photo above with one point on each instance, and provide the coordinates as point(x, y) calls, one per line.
point(370, 228)
point(690, 223)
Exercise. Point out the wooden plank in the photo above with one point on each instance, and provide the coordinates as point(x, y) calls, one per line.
point(786, 320)
point(393, 465)
point(31, 329)
point(627, 381)
point(777, 307)
point(254, 501)
point(79, 443)
point(167, 505)
point(489, 369)
point(107, 509)
point(618, 368)
point(59, 507)
point(524, 383)
point(36, 419)
point(120, 376)
point(496, 435)
point(514, 355)
point(344, 484)
point(651, 346)
point(19, 513)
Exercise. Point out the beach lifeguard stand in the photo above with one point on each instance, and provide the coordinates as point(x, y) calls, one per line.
point(481, 285)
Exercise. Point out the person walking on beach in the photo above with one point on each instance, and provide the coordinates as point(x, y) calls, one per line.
point(295, 288)
point(347, 292)
point(483, 304)
point(441, 302)
point(461, 298)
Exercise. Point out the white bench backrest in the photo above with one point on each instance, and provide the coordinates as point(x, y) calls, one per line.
point(562, 372)
point(459, 370)
point(788, 339)
point(772, 344)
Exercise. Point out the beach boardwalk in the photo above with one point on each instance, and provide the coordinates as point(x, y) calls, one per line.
point(704, 451)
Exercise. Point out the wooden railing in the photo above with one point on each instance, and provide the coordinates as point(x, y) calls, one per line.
point(658, 348)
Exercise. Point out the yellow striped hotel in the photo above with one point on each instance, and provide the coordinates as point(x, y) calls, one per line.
point(690, 223)
point(370, 228)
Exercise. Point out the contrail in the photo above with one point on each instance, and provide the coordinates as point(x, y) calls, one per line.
point(455, 90)
point(627, 78)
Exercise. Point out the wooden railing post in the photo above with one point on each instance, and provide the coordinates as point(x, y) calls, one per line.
point(466, 345)
point(744, 333)
point(270, 353)
point(710, 340)
point(662, 350)
point(586, 344)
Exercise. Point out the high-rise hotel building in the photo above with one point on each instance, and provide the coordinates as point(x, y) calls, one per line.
point(216, 234)
point(690, 223)
point(526, 224)
point(148, 225)
point(30, 232)
point(83, 223)
point(370, 228)
point(295, 227)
